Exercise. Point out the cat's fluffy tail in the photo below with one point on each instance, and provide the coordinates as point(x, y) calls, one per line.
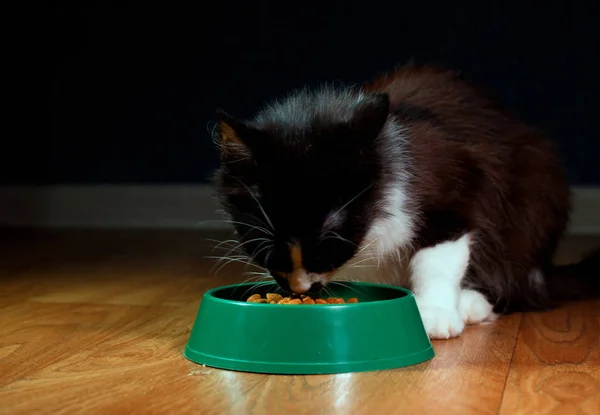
point(578, 281)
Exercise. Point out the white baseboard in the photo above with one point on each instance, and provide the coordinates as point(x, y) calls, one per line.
point(168, 207)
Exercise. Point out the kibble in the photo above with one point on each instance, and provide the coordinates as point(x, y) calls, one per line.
point(308, 300)
point(272, 298)
point(253, 298)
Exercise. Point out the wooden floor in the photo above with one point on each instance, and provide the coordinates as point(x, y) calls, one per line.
point(96, 322)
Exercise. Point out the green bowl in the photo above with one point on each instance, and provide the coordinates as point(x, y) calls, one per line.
point(383, 331)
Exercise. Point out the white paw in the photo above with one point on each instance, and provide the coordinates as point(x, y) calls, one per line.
point(441, 323)
point(474, 308)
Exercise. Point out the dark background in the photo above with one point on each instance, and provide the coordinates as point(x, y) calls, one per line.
point(126, 93)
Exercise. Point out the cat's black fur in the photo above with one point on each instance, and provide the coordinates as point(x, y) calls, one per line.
point(300, 161)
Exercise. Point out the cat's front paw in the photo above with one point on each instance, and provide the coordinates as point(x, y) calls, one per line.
point(441, 323)
point(474, 308)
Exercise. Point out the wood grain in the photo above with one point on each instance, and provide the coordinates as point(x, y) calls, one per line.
point(556, 363)
point(96, 322)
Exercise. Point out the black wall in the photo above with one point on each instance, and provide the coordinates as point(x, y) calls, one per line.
point(126, 94)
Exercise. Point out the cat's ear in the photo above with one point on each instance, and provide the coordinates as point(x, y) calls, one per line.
point(234, 136)
point(371, 115)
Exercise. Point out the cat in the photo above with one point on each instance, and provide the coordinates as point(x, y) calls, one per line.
point(417, 178)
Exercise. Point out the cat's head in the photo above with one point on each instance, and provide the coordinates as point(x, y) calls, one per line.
point(301, 182)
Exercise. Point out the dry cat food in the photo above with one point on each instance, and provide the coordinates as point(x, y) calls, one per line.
point(271, 298)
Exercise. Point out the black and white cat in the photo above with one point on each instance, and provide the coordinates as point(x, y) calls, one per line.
point(417, 179)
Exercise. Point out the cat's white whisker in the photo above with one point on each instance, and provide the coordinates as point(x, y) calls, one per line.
point(353, 199)
point(258, 278)
point(221, 258)
point(234, 222)
point(254, 287)
point(260, 206)
point(363, 260)
point(256, 273)
point(328, 292)
point(229, 242)
point(346, 286)
point(262, 222)
point(363, 266)
point(229, 260)
point(336, 235)
point(239, 246)
point(268, 256)
point(255, 254)
point(367, 246)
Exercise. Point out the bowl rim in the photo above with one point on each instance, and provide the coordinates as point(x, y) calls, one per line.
point(210, 294)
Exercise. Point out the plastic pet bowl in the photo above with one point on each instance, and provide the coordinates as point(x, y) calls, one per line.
point(383, 331)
